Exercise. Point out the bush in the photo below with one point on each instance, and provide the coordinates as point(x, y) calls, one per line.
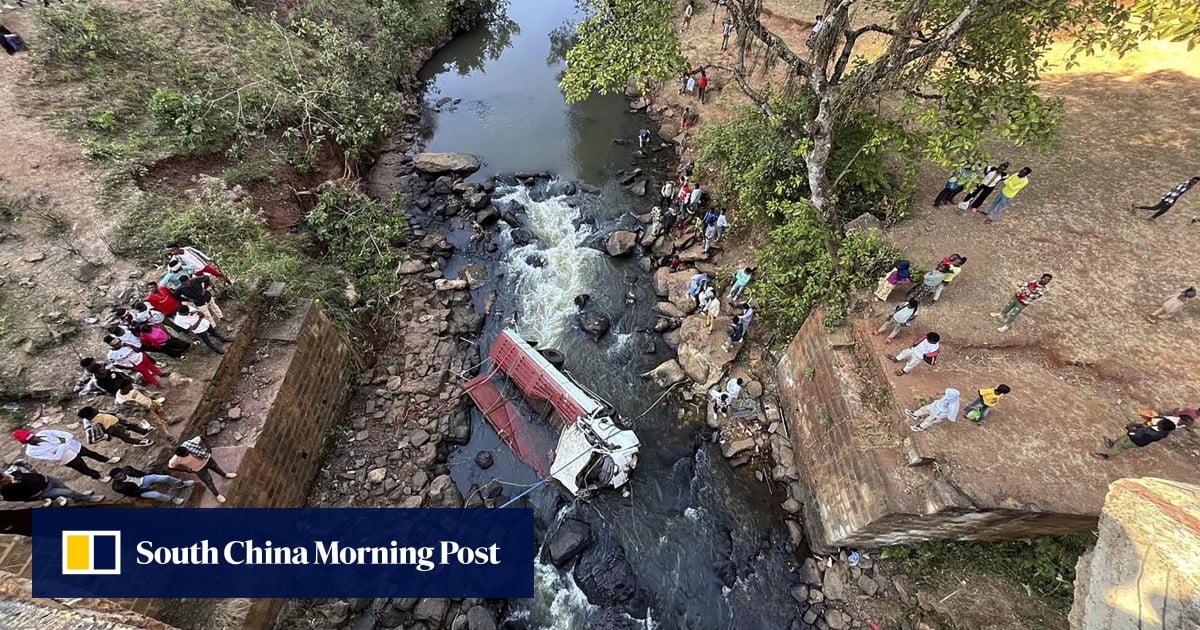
point(361, 236)
point(1043, 567)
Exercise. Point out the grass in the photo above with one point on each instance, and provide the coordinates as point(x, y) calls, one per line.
point(1043, 567)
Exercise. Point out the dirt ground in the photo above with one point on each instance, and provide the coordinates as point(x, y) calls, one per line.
point(1082, 359)
point(69, 276)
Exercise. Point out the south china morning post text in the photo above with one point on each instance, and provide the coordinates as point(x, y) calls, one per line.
point(333, 552)
point(304, 553)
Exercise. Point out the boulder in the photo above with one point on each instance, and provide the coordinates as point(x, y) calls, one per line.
point(411, 266)
point(620, 243)
point(484, 460)
point(444, 494)
point(572, 537)
point(864, 222)
point(477, 201)
point(638, 188)
point(694, 253)
point(595, 324)
point(702, 352)
point(668, 131)
point(487, 216)
point(439, 163)
point(734, 448)
point(561, 188)
point(605, 575)
point(475, 275)
point(674, 286)
point(444, 185)
point(443, 284)
point(670, 310)
point(480, 618)
point(810, 574)
point(431, 610)
point(666, 374)
point(835, 582)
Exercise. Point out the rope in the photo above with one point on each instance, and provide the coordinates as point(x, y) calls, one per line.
point(548, 477)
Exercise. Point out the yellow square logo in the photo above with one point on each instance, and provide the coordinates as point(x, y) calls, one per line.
point(91, 553)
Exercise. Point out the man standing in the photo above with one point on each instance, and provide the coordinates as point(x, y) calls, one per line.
point(743, 278)
point(1012, 186)
point(198, 260)
point(1024, 297)
point(711, 308)
point(702, 85)
point(734, 388)
point(726, 29)
point(697, 285)
point(953, 186)
point(710, 235)
point(132, 482)
point(194, 290)
point(944, 408)
point(977, 411)
point(668, 194)
point(694, 199)
point(925, 349)
point(991, 178)
point(200, 326)
point(903, 315)
point(193, 456)
point(1138, 435)
point(1168, 200)
point(722, 223)
point(1172, 305)
point(61, 447)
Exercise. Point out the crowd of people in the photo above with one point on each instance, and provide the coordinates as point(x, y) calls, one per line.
point(980, 183)
point(124, 389)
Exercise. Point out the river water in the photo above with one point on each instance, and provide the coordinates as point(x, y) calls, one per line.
point(702, 538)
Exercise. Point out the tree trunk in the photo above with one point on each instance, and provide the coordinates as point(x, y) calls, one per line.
point(816, 158)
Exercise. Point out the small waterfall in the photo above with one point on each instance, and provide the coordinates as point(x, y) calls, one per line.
point(545, 295)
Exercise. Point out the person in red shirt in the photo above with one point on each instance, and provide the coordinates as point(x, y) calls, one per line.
point(702, 85)
point(162, 300)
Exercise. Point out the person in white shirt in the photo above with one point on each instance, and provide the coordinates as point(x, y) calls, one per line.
point(197, 259)
point(944, 408)
point(926, 349)
point(121, 354)
point(668, 193)
point(734, 388)
point(196, 323)
point(61, 447)
point(722, 224)
point(711, 309)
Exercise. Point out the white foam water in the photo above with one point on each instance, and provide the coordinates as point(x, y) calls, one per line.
point(545, 295)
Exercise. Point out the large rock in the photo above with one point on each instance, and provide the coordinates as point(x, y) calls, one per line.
point(835, 582)
point(444, 494)
point(1143, 572)
point(666, 374)
point(480, 618)
point(638, 188)
point(572, 537)
point(674, 286)
point(605, 575)
point(593, 323)
point(475, 275)
point(702, 353)
point(620, 243)
point(440, 163)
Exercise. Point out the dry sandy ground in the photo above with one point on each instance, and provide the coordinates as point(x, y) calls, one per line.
point(1083, 358)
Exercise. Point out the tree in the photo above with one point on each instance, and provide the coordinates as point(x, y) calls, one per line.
point(955, 71)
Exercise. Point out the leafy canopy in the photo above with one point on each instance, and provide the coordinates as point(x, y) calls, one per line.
point(621, 39)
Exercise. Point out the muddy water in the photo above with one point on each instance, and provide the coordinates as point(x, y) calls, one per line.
point(701, 537)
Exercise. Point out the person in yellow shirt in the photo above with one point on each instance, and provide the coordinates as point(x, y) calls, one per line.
point(1012, 186)
point(978, 410)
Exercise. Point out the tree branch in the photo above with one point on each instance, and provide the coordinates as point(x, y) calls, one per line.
point(750, 23)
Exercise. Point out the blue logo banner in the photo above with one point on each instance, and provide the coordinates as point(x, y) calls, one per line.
point(305, 553)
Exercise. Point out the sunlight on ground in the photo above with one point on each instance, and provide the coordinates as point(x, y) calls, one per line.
point(1151, 57)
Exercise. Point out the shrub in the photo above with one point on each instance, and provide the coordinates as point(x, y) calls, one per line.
point(360, 235)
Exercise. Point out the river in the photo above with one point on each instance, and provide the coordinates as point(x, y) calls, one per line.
point(702, 538)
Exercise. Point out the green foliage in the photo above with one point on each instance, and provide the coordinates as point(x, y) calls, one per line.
point(75, 36)
point(797, 274)
point(1043, 567)
point(237, 238)
point(360, 235)
point(622, 39)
